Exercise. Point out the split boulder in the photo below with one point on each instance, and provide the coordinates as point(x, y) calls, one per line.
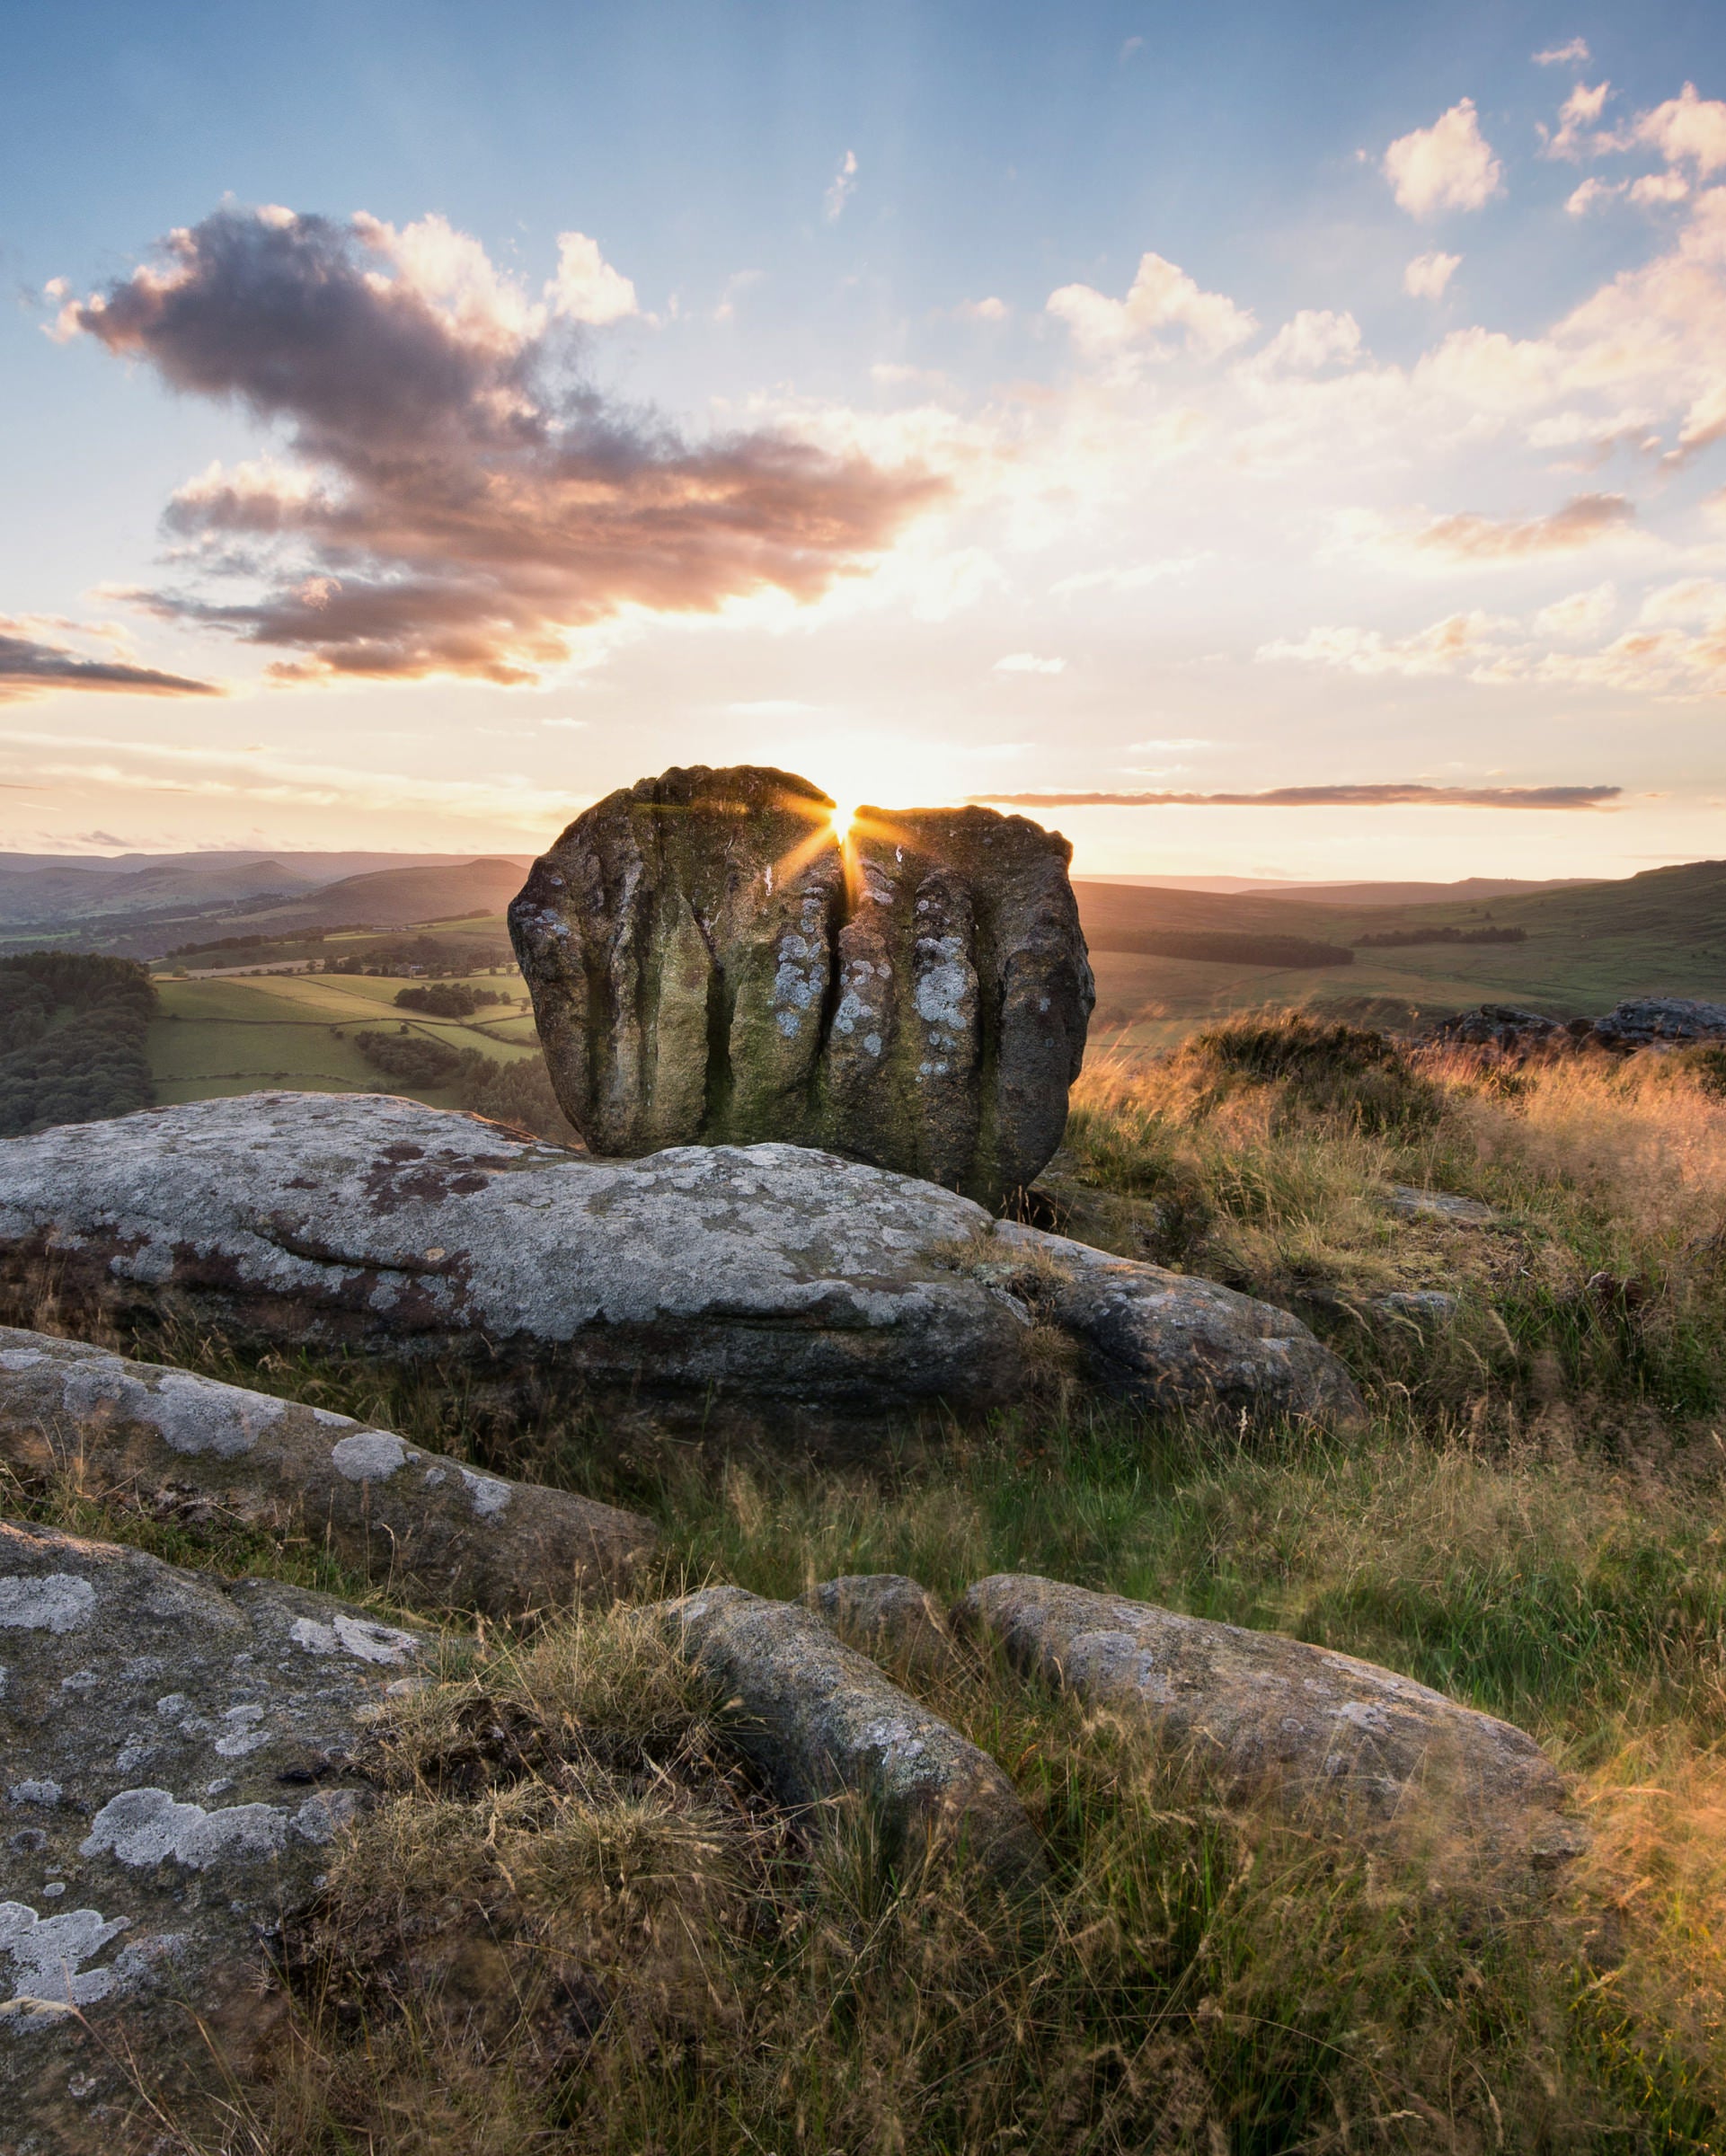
point(710, 963)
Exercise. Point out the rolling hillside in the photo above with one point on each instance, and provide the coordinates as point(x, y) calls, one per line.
point(1588, 946)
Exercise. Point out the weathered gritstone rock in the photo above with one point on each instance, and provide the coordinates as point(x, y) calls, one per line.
point(704, 1282)
point(887, 1617)
point(1342, 1742)
point(707, 964)
point(1503, 1031)
point(1443, 1206)
point(388, 1509)
point(822, 1721)
point(173, 1750)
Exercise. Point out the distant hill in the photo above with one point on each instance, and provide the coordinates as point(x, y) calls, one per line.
point(140, 905)
point(1469, 890)
point(396, 897)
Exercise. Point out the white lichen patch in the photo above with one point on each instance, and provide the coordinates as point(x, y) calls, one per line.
point(46, 1954)
point(148, 1826)
point(55, 1601)
point(487, 1494)
point(369, 1455)
point(356, 1636)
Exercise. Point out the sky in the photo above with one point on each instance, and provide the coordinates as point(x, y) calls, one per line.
point(1255, 441)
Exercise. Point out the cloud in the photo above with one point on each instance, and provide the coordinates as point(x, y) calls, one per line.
point(29, 667)
point(574, 726)
point(1576, 53)
point(1162, 296)
point(843, 186)
point(460, 500)
point(586, 288)
point(1584, 614)
point(1582, 519)
point(1687, 128)
point(1132, 576)
point(1027, 662)
point(1312, 338)
point(1449, 165)
point(1578, 118)
point(983, 310)
point(1458, 640)
point(1326, 797)
point(1427, 275)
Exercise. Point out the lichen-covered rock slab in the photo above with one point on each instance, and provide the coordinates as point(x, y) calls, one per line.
point(822, 1721)
point(171, 1772)
point(412, 1519)
point(1342, 1743)
point(769, 1283)
point(709, 964)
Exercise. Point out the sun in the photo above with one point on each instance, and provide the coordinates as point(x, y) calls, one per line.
point(843, 813)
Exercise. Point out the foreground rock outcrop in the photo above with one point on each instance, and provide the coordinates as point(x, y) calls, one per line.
point(890, 1618)
point(1340, 1742)
point(174, 1757)
point(704, 1282)
point(420, 1522)
point(708, 964)
point(822, 1720)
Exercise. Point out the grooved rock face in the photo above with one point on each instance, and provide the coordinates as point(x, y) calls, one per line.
point(708, 965)
point(174, 1758)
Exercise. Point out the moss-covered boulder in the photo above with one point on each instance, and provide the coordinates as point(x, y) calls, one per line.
point(710, 963)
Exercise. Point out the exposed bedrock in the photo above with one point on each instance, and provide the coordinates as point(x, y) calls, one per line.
point(415, 1520)
point(709, 966)
point(773, 1284)
point(822, 1720)
point(175, 1760)
point(1342, 1743)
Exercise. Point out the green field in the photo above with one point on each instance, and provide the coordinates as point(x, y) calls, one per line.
point(239, 1035)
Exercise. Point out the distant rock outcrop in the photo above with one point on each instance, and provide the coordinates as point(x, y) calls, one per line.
point(710, 965)
point(770, 1283)
point(176, 1765)
point(1504, 1030)
point(419, 1522)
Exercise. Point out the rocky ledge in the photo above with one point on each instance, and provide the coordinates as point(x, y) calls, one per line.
point(174, 1755)
point(770, 1284)
point(187, 1447)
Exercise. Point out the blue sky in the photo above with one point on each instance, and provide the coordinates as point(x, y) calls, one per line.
point(940, 401)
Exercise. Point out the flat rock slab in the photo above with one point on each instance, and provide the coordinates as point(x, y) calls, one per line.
point(171, 1750)
point(822, 1720)
point(391, 1511)
point(705, 1280)
point(708, 963)
point(887, 1617)
point(1342, 1743)
point(1441, 1206)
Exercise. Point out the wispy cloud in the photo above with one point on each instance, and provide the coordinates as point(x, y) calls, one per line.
point(843, 186)
point(1028, 662)
point(1573, 53)
point(30, 667)
point(460, 499)
point(1326, 797)
point(1582, 520)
